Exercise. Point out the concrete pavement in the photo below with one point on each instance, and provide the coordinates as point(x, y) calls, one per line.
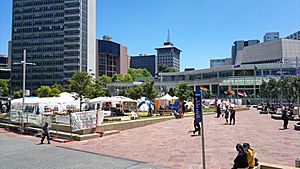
point(19, 153)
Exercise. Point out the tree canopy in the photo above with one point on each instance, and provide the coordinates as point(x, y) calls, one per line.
point(4, 87)
point(134, 73)
point(165, 68)
point(81, 84)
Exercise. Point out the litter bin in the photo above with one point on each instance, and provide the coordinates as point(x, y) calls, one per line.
point(297, 162)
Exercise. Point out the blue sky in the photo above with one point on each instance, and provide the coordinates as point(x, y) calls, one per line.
point(202, 29)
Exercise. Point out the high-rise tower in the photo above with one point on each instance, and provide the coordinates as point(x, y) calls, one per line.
point(168, 55)
point(58, 36)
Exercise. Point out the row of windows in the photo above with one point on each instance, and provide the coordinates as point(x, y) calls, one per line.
point(39, 36)
point(38, 16)
point(18, 3)
point(38, 9)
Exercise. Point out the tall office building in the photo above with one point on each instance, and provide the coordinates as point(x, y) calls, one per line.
point(239, 45)
point(295, 36)
point(111, 57)
point(269, 36)
point(168, 55)
point(58, 36)
point(144, 61)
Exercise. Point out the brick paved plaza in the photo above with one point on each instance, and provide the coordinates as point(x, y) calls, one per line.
point(169, 144)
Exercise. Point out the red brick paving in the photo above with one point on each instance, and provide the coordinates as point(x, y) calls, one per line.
point(169, 144)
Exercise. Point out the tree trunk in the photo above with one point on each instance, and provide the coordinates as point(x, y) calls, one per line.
point(80, 100)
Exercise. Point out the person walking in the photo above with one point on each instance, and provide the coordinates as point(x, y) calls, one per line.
point(232, 116)
point(45, 133)
point(240, 161)
point(285, 119)
point(250, 155)
point(197, 127)
point(226, 112)
point(219, 111)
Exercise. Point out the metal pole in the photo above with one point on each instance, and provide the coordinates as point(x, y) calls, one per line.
point(24, 78)
point(281, 84)
point(161, 89)
point(202, 128)
point(254, 81)
point(298, 91)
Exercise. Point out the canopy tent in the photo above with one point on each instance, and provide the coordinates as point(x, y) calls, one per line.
point(144, 104)
point(165, 101)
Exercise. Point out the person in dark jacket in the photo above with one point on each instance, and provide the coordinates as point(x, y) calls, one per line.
point(219, 111)
point(46, 133)
point(197, 127)
point(226, 112)
point(241, 160)
point(285, 119)
point(232, 116)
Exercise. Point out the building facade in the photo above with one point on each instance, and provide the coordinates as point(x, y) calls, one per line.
point(144, 61)
point(111, 57)
point(269, 36)
point(280, 50)
point(168, 55)
point(239, 45)
point(220, 62)
point(58, 36)
point(295, 36)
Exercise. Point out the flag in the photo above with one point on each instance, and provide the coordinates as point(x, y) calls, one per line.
point(242, 94)
point(203, 89)
point(229, 92)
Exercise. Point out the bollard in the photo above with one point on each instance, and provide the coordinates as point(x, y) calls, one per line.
point(297, 162)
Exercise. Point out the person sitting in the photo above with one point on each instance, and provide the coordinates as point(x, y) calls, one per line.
point(241, 160)
point(250, 155)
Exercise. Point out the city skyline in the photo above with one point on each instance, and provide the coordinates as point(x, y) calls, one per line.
point(203, 30)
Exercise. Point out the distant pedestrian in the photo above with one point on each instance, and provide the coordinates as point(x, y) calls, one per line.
point(197, 127)
point(285, 119)
point(226, 112)
point(219, 111)
point(240, 161)
point(250, 155)
point(248, 102)
point(45, 133)
point(232, 116)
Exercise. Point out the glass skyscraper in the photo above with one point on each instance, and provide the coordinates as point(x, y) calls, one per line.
point(58, 36)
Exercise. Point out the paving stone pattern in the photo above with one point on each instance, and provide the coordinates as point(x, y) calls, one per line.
point(169, 144)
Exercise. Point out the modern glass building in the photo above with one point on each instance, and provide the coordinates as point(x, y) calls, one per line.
point(58, 36)
point(112, 58)
point(144, 61)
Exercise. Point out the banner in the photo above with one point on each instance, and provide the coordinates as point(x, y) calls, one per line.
point(83, 120)
point(65, 119)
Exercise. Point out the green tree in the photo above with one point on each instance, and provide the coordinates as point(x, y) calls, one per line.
point(207, 95)
point(17, 93)
point(165, 68)
point(56, 89)
point(134, 73)
point(3, 87)
point(135, 92)
point(105, 79)
point(172, 92)
point(274, 89)
point(81, 84)
point(43, 91)
point(127, 78)
point(117, 77)
point(149, 90)
point(264, 93)
point(184, 92)
point(99, 89)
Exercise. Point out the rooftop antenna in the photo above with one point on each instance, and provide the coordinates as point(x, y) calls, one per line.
point(168, 39)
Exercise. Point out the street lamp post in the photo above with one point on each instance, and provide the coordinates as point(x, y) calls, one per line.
point(24, 63)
